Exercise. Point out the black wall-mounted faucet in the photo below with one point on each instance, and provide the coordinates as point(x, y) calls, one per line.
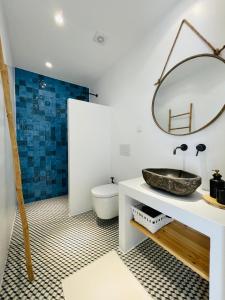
point(200, 148)
point(182, 147)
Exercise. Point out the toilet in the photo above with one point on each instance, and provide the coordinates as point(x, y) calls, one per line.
point(105, 201)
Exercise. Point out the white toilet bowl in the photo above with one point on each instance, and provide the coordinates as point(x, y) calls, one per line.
point(105, 201)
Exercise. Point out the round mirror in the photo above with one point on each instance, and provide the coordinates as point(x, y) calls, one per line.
point(191, 95)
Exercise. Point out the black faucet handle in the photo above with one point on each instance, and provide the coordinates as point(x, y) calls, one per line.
point(200, 148)
point(184, 147)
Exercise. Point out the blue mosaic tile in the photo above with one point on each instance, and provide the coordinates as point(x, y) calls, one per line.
point(41, 117)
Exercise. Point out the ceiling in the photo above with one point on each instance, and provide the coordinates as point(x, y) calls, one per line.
point(35, 38)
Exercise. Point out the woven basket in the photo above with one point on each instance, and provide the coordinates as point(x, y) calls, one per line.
point(152, 224)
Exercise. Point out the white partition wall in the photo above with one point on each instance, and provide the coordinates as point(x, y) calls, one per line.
point(89, 151)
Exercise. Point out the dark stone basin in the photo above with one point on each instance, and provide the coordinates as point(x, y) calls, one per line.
point(174, 181)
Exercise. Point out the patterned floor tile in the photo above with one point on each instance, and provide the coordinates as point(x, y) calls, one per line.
point(61, 245)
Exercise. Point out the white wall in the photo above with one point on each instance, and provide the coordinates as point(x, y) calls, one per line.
point(7, 191)
point(128, 88)
point(89, 151)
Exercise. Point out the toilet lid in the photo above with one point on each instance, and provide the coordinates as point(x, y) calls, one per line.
point(107, 190)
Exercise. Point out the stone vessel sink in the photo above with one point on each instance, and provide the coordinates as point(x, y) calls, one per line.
point(174, 181)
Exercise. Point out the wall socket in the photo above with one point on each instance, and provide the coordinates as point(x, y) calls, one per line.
point(124, 149)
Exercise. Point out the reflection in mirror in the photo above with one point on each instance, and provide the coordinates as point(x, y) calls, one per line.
point(191, 95)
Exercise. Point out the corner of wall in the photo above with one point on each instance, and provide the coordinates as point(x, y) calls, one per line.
point(7, 193)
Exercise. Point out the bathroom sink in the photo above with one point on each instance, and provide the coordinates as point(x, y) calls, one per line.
point(174, 181)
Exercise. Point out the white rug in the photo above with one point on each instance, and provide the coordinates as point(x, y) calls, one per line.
point(106, 278)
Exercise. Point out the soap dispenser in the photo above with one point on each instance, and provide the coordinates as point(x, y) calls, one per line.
point(215, 183)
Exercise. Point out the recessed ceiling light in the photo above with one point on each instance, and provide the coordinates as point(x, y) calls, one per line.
point(59, 18)
point(48, 65)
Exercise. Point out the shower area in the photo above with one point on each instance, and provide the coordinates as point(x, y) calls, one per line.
point(41, 117)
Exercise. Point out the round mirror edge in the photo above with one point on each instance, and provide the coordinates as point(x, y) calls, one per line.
point(165, 76)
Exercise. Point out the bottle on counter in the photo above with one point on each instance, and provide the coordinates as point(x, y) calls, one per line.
point(216, 183)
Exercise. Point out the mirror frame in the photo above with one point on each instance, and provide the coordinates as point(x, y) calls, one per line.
point(166, 75)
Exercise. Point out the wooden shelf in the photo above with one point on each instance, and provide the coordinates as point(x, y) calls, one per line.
point(186, 244)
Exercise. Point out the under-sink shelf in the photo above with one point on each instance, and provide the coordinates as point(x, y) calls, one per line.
point(186, 244)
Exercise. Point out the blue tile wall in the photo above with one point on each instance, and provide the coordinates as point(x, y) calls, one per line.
point(41, 117)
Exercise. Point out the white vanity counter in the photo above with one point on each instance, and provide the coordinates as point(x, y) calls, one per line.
point(191, 211)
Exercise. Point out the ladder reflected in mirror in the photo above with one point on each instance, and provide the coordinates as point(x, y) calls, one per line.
point(189, 114)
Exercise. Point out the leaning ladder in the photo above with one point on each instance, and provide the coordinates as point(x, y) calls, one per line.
point(171, 117)
point(16, 163)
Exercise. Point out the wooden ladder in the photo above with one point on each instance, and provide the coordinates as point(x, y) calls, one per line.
point(16, 162)
point(171, 117)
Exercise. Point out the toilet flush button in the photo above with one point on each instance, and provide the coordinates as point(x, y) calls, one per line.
point(124, 149)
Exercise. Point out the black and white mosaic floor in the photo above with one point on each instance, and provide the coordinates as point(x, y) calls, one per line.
point(61, 245)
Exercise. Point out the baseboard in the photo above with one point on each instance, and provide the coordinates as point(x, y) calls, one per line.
point(10, 238)
point(79, 212)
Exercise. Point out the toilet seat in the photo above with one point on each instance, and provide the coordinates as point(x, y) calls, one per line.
point(105, 191)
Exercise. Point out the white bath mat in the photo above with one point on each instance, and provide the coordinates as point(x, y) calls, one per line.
point(106, 278)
